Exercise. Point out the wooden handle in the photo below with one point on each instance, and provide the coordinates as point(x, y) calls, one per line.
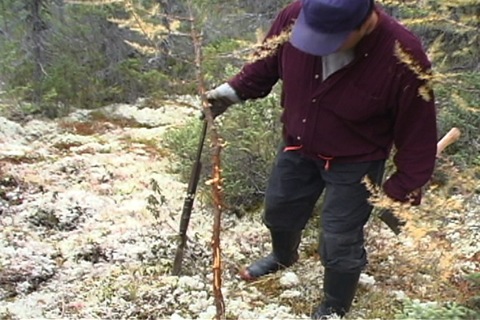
point(449, 138)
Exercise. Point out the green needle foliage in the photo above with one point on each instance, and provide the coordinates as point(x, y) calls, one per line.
point(252, 134)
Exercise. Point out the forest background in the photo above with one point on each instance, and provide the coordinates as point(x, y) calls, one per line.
point(59, 56)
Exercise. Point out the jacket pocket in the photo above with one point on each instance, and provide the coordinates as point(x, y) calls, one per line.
point(355, 104)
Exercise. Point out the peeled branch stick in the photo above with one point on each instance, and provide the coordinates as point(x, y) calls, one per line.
point(216, 181)
point(386, 215)
point(449, 138)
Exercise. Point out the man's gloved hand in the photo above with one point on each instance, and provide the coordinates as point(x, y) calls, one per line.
point(221, 98)
point(392, 190)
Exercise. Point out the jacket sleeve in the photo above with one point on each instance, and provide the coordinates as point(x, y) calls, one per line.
point(415, 137)
point(256, 79)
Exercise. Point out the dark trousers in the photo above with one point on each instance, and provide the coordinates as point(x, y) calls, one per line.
point(294, 187)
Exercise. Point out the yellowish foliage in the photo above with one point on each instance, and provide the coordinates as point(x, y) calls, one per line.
point(425, 91)
point(143, 49)
point(139, 21)
point(425, 229)
point(436, 18)
point(270, 46)
point(93, 3)
point(461, 103)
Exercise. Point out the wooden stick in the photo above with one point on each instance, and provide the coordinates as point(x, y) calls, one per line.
point(386, 215)
point(449, 138)
point(216, 181)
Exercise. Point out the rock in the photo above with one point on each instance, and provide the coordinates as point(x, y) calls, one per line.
point(289, 279)
point(14, 151)
point(79, 115)
point(192, 283)
point(147, 117)
point(11, 131)
point(366, 280)
point(67, 141)
point(25, 266)
point(39, 129)
point(400, 295)
point(65, 211)
point(288, 294)
point(210, 313)
point(176, 316)
point(91, 148)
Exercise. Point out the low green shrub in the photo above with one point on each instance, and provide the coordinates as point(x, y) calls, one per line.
point(458, 102)
point(413, 309)
point(252, 134)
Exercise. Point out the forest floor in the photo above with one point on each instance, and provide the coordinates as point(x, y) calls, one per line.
point(79, 238)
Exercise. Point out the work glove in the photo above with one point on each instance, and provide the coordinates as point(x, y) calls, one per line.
point(220, 99)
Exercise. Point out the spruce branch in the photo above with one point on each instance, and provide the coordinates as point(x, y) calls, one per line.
point(216, 181)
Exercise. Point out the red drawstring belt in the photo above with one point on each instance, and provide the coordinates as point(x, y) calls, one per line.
point(292, 148)
point(326, 159)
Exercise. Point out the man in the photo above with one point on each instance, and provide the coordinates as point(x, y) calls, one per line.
point(354, 84)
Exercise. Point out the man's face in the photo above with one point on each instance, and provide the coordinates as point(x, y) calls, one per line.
point(352, 40)
point(355, 36)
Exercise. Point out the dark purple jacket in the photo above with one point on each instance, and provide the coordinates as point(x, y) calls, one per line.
point(360, 111)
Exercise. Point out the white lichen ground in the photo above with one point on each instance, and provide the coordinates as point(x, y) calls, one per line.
point(77, 240)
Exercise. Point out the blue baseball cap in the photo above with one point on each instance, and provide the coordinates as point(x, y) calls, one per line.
point(323, 25)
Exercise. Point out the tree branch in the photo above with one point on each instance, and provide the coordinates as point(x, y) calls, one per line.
point(216, 181)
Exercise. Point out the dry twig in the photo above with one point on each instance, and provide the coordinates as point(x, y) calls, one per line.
point(216, 181)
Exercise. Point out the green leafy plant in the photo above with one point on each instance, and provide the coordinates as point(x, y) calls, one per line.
point(155, 200)
point(413, 309)
point(247, 155)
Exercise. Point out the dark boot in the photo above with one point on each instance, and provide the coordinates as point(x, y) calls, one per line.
point(284, 254)
point(339, 290)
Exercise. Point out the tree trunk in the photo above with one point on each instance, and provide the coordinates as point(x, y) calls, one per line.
point(6, 28)
point(37, 27)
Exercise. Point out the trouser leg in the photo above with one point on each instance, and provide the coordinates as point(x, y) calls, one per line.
point(293, 189)
point(344, 214)
point(284, 254)
point(338, 292)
